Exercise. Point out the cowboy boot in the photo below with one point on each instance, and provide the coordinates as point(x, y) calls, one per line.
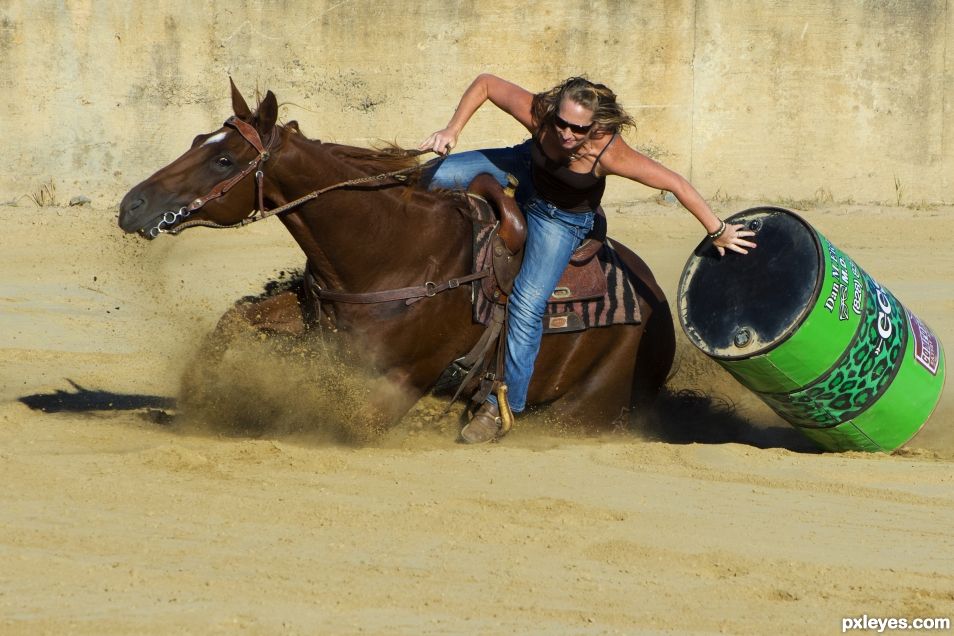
point(484, 426)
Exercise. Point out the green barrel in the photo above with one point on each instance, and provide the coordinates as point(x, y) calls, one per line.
point(813, 335)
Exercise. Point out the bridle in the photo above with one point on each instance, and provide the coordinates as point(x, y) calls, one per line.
point(250, 134)
point(168, 221)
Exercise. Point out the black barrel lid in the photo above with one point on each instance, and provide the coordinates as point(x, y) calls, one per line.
point(738, 306)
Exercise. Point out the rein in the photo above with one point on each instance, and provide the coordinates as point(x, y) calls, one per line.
point(250, 134)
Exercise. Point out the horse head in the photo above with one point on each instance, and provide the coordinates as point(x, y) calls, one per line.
point(214, 180)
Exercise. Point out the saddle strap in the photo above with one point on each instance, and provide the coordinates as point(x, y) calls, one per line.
point(493, 382)
point(476, 358)
point(409, 294)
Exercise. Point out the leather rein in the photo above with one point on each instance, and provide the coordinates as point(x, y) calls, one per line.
point(167, 224)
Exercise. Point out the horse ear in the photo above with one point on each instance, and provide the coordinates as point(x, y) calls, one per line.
point(239, 106)
point(267, 113)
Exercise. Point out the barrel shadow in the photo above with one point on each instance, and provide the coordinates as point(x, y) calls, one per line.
point(692, 417)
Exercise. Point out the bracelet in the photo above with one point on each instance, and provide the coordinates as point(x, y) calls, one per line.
point(718, 233)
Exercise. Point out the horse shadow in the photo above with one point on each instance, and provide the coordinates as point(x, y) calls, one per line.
point(83, 400)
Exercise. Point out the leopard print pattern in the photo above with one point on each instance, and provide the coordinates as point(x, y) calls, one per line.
point(860, 376)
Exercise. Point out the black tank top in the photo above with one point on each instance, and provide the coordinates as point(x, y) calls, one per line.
point(555, 182)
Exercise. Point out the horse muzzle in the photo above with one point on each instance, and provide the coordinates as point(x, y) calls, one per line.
point(137, 215)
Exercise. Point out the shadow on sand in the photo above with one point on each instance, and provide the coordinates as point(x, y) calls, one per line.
point(682, 417)
point(693, 417)
point(83, 400)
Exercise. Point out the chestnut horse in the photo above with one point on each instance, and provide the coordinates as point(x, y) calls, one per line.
point(363, 235)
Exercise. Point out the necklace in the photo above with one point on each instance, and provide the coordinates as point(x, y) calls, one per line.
point(576, 155)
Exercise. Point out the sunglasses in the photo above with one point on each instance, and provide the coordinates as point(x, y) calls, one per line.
point(574, 128)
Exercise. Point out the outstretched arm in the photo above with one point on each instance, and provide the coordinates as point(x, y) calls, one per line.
point(506, 96)
point(622, 160)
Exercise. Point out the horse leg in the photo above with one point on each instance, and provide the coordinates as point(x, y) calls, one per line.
point(389, 399)
point(409, 355)
point(599, 376)
point(280, 314)
point(200, 380)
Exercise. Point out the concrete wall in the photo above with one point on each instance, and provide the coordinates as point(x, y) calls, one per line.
point(763, 99)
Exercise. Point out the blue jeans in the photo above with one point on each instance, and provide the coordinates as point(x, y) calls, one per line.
point(552, 235)
point(455, 172)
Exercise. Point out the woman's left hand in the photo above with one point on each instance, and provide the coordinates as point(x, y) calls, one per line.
point(734, 238)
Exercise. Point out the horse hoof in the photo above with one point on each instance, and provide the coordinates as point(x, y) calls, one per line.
point(484, 426)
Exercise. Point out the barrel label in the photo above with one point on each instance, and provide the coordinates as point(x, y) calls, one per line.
point(927, 350)
point(863, 372)
point(845, 275)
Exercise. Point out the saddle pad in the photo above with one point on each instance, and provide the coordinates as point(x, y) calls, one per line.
point(617, 303)
point(583, 281)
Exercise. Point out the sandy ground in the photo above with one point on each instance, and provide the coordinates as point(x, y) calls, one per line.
point(114, 520)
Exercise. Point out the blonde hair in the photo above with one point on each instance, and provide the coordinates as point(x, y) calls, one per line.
point(608, 114)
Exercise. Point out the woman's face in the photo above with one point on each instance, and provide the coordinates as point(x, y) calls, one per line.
point(573, 123)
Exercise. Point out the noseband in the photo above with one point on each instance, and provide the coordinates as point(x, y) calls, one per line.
point(250, 134)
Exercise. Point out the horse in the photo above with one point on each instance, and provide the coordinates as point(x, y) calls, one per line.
point(365, 230)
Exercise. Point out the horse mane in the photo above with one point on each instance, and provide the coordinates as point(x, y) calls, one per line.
point(390, 157)
point(385, 157)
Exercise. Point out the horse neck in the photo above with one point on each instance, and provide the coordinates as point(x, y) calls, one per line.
point(359, 239)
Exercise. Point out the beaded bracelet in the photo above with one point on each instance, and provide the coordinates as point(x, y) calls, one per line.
point(718, 233)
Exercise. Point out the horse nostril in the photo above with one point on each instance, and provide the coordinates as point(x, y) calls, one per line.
point(132, 202)
point(133, 205)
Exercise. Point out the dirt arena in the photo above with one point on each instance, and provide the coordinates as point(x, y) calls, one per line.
point(120, 515)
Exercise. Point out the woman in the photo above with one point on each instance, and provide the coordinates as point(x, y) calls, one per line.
point(575, 143)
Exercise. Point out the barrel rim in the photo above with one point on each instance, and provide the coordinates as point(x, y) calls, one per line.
point(796, 324)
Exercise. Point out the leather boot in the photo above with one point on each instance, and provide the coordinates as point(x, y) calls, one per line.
point(483, 427)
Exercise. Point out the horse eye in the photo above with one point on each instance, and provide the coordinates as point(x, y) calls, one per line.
point(223, 162)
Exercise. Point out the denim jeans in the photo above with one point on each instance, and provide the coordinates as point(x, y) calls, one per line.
point(455, 172)
point(552, 235)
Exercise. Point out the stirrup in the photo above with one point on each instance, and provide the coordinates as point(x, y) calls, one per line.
point(506, 415)
point(502, 421)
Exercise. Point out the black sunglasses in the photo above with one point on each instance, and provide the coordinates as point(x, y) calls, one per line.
point(575, 128)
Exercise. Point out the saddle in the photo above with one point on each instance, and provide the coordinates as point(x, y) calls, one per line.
point(583, 277)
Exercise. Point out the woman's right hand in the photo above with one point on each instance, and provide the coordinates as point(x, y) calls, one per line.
point(441, 142)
